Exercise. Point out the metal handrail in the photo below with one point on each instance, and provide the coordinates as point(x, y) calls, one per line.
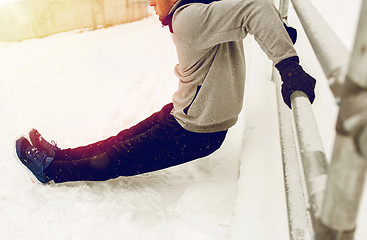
point(298, 218)
point(310, 147)
point(336, 217)
point(312, 152)
point(331, 53)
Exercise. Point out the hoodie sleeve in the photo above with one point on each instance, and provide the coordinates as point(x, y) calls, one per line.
point(203, 26)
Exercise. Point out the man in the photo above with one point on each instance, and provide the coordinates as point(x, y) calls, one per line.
point(211, 70)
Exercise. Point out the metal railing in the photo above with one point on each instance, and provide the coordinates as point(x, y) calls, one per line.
point(348, 168)
point(334, 192)
point(298, 220)
point(331, 53)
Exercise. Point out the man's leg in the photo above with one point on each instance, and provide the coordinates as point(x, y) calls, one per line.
point(100, 147)
point(156, 143)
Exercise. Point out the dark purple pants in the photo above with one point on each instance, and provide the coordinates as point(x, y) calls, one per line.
point(156, 143)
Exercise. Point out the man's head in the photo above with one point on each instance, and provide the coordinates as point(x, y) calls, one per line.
point(162, 7)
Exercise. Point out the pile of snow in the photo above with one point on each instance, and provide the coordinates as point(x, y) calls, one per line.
point(83, 86)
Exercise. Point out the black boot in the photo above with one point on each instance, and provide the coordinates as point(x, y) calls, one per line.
point(40, 143)
point(35, 160)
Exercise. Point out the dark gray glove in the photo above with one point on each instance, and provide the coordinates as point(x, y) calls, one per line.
point(295, 78)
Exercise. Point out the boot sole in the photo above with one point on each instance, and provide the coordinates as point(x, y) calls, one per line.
point(18, 145)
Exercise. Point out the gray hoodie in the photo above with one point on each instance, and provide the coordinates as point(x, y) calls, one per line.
point(211, 62)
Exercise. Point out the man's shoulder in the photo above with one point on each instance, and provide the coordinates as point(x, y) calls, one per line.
point(197, 14)
point(189, 11)
point(188, 19)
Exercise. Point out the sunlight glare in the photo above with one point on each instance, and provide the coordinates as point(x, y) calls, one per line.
point(3, 2)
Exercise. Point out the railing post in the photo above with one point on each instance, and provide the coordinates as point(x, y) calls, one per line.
point(348, 169)
point(283, 8)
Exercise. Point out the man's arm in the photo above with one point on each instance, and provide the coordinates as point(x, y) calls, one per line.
point(203, 26)
point(206, 25)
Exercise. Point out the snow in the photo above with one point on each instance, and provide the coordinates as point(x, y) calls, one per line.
point(82, 86)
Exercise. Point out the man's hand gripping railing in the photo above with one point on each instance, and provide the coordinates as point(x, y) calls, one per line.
point(295, 78)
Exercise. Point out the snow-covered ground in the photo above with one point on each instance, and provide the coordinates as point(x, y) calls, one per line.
point(83, 86)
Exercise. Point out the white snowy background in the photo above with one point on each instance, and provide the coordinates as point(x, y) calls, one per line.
point(83, 86)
